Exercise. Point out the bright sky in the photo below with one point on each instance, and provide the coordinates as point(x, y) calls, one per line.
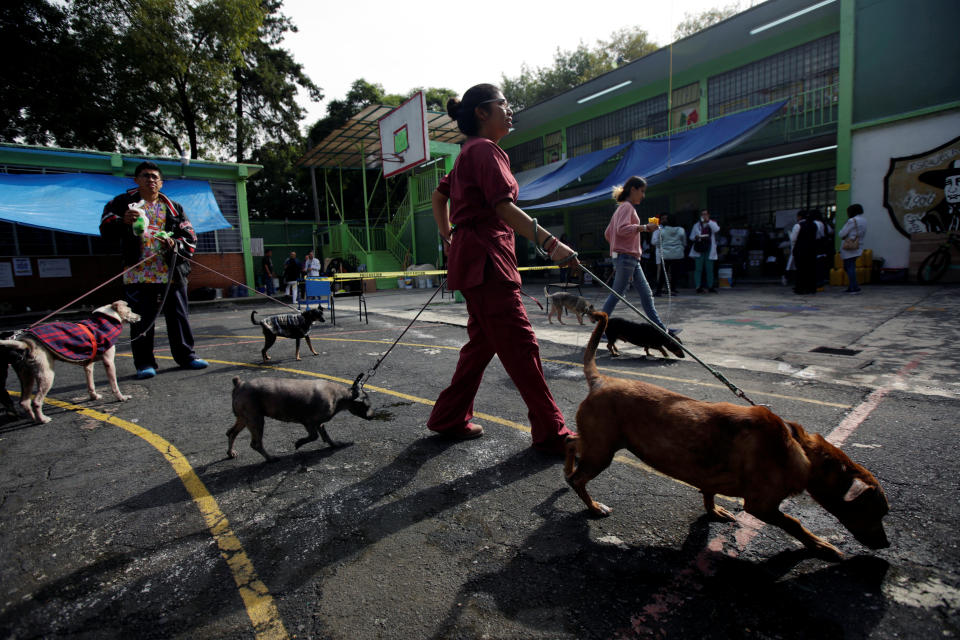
point(402, 45)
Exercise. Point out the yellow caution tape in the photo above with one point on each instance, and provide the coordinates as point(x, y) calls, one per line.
point(364, 275)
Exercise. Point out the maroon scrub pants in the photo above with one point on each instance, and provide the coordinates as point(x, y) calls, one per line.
point(498, 325)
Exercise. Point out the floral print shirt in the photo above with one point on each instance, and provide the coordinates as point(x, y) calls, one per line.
point(155, 271)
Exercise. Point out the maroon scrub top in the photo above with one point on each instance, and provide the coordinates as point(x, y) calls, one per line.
point(480, 180)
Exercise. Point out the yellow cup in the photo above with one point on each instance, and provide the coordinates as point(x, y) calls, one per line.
point(653, 220)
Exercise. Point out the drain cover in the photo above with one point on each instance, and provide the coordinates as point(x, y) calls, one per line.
point(836, 352)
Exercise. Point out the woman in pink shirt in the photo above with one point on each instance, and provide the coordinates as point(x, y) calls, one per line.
point(623, 234)
point(477, 231)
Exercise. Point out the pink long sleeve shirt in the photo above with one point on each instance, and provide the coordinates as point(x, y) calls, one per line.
point(623, 232)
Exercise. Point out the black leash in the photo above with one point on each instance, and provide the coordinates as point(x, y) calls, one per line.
point(737, 391)
point(364, 377)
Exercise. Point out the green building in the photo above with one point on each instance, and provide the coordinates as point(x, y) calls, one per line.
point(871, 114)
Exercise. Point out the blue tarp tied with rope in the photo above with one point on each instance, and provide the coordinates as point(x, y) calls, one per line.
point(570, 171)
point(660, 159)
point(73, 202)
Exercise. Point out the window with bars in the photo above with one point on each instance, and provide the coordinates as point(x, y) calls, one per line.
point(527, 155)
point(753, 205)
point(812, 65)
point(636, 121)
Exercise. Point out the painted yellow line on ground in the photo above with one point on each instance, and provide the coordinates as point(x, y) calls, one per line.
point(652, 376)
point(263, 613)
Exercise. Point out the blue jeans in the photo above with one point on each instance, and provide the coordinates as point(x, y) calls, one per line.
point(626, 266)
point(850, 266)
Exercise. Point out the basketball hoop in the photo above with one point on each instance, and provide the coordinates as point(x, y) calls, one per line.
point(404, 136)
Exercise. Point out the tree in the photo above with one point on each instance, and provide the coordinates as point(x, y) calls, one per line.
point(624, 45)
point(694, 22)
point(180, 56)
point(281, 190)
point(266, 87)
point(53, 89)
point(573, 68)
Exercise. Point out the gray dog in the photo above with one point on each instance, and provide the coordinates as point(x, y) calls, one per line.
point(309, 402)
point(557, 302)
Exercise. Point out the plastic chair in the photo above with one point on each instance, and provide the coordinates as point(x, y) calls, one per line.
point(317, 292)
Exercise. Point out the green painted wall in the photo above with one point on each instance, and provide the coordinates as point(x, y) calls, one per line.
point(758, 50)
point(907, 56)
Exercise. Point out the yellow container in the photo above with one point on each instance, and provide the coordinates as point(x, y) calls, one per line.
point(863, 275)
point(838, 278)
point(837, 261)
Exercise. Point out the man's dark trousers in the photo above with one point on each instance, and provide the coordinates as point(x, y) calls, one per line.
point(144, 299)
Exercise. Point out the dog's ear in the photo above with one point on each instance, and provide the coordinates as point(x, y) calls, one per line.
point(856, 488)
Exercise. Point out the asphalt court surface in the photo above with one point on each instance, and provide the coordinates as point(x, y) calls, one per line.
point(127, 520)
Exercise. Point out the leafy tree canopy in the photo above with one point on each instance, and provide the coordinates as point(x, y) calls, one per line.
point(572, 68)
point(191, 77)
point(694, 22)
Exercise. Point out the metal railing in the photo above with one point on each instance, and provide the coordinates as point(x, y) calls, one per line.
point(805, 111)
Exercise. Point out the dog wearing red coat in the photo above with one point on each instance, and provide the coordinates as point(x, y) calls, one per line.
point(82, 343)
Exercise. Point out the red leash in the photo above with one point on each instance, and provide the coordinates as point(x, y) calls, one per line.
point(119, 275)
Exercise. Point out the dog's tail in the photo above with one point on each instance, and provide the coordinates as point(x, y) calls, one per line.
point(590, 370)
point(253, 318)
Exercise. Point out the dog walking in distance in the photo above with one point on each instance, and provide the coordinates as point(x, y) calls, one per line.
point(312, 403)
point(723, 448)
point(82, 343)
point(558, 302)
point(288, 325)
point(641, 335)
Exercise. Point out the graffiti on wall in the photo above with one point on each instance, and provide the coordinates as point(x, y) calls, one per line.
point(922, 192)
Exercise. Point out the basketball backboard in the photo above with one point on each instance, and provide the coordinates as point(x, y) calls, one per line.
point(404, 136)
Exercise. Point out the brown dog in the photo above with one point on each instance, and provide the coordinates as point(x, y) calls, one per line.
point(722, 448)
point(80, 343)
point(557, 302)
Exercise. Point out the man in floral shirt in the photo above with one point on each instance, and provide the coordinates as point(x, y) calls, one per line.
point(155, 235)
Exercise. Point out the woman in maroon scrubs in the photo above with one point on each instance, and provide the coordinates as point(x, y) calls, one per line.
point(477, 231)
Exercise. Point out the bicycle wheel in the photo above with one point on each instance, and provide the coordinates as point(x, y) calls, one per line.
point(934, 266)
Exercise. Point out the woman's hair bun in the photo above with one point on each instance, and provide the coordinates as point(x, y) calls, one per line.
point(453, 108)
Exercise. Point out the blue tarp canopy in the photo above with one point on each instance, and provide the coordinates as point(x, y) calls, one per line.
point(73, 202)
point(570, 171)
point(659, 159)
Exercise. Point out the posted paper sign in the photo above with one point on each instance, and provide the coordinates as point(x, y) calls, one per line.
point(6, 275)
point(53, 267)
point(22, 267)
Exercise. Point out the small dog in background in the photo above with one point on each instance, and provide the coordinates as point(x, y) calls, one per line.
point(288, 325)
point(719, 447)
point(557, 302)
point(81, 343)
point(641, 335)
point(309, 402)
